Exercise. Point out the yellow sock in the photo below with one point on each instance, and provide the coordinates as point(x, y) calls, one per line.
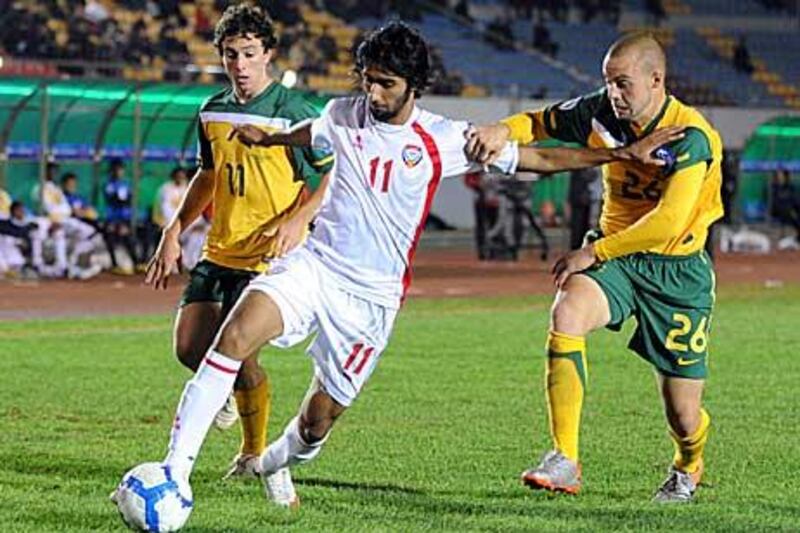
point(689, 450)
point(253, 406)
point(565, 380)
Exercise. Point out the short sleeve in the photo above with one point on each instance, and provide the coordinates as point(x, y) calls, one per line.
point(322, 131)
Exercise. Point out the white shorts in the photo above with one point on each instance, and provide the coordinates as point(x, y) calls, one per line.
point(351, 333)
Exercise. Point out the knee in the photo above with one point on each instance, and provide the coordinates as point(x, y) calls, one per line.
point(188, 353)
point(315, 429)
point(234, 341)
point(579, 307)
point(684, 422)
point(568, 317)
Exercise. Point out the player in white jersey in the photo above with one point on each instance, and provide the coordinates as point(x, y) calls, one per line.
point(347, 282)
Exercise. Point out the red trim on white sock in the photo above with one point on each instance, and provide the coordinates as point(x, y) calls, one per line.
point(224, 364)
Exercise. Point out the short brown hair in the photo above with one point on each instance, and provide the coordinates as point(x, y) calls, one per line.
point(244, 19)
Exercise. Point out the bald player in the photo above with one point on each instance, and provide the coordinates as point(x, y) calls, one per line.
point(648, 261)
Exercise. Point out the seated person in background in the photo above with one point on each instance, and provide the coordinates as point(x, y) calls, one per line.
point(167, 202)
point(11, 258)
point(784, 201)
point(118, 197)
point(81, 208)
point(65, 230)
point(20, 231)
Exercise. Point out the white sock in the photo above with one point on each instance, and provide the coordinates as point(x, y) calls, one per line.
point(203, 396)
point(289, 450)
point(60, 242)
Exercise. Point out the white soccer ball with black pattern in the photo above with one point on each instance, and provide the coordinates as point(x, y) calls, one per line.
point(150, 498)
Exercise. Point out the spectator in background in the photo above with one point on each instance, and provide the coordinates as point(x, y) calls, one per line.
point(173, 50)
point(20, 236)
point(202, 22)
point(784, 201)
point(72, 237)
point(741, 57)
point(486, 205)
point(81, 208)
point(581, 195)
point(542, 40)
point(519, 196)
point(443, 82)
point(119, 211)
point(167, 202)
point(12, 238)
point(139, 48)
point(499, 33)
point(327, 46)
point(730, 180)
point(285, 11)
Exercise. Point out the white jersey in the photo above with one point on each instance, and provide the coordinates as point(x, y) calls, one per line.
point(169, 199)
point(56, 205)
point(380, 191)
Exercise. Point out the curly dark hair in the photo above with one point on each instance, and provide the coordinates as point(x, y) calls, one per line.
point(399, 49)
point(243, 19)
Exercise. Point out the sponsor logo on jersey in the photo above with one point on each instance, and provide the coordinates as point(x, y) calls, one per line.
point(412, 155)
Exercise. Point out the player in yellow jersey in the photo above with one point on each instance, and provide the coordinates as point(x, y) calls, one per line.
point(648, 262)
point(255, 195)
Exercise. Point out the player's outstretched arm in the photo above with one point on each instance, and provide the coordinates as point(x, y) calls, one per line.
point(167, 255)
point(545, 160)
point(249, 135)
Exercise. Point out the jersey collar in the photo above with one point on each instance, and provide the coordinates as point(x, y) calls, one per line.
point(655, 120)
point(270, 88)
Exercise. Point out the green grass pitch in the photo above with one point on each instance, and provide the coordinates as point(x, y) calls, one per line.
point(437, 440)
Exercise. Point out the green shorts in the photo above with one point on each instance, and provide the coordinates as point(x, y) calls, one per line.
point(209, 282)
point(672, 298)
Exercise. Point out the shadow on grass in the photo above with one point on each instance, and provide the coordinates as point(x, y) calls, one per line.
point(37, 463)
point(358, 486)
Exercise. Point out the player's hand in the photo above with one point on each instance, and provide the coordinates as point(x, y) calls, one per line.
point(290, 234)
point(574, 261)
point(249, 135)
point(283, 235)
point(484, 143)
point(165, 260)
point(642, 150)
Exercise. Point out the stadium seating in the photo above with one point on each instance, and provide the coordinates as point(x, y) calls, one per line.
point(700, 42)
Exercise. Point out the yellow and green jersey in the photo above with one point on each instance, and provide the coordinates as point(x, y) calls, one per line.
point(632, 190)
point(255, 187)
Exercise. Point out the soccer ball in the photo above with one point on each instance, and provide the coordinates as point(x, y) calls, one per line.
point(150, 498)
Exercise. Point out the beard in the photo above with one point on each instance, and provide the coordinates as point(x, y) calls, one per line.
point(387, 113)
